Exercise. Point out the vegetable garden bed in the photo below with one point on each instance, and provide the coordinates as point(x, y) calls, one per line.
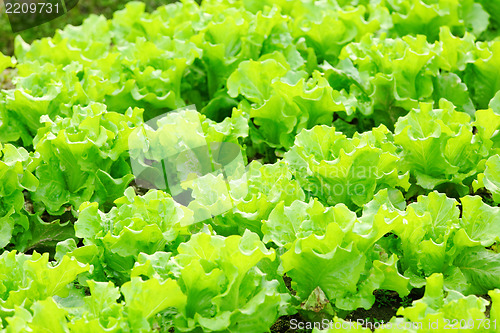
point(354, 157)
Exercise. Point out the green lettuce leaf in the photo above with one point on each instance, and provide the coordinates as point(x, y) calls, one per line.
point(438, 306)
point(83, 157)
point(225, 289)
point(6, 62)
point(301, 219)
point(149, 223)
point(340, 170)
point(16, 176)
point(346, 276)
point(268, 186)
point(480, 78)
point(30, 278)
point(479, 221)
point(438, 146)
point(490, 178)
point(421, 17)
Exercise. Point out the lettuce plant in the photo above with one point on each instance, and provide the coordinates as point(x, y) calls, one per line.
point(232, 165)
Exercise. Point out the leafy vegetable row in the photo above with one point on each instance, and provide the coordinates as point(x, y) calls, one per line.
point(373, 152)
point(390, 245)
